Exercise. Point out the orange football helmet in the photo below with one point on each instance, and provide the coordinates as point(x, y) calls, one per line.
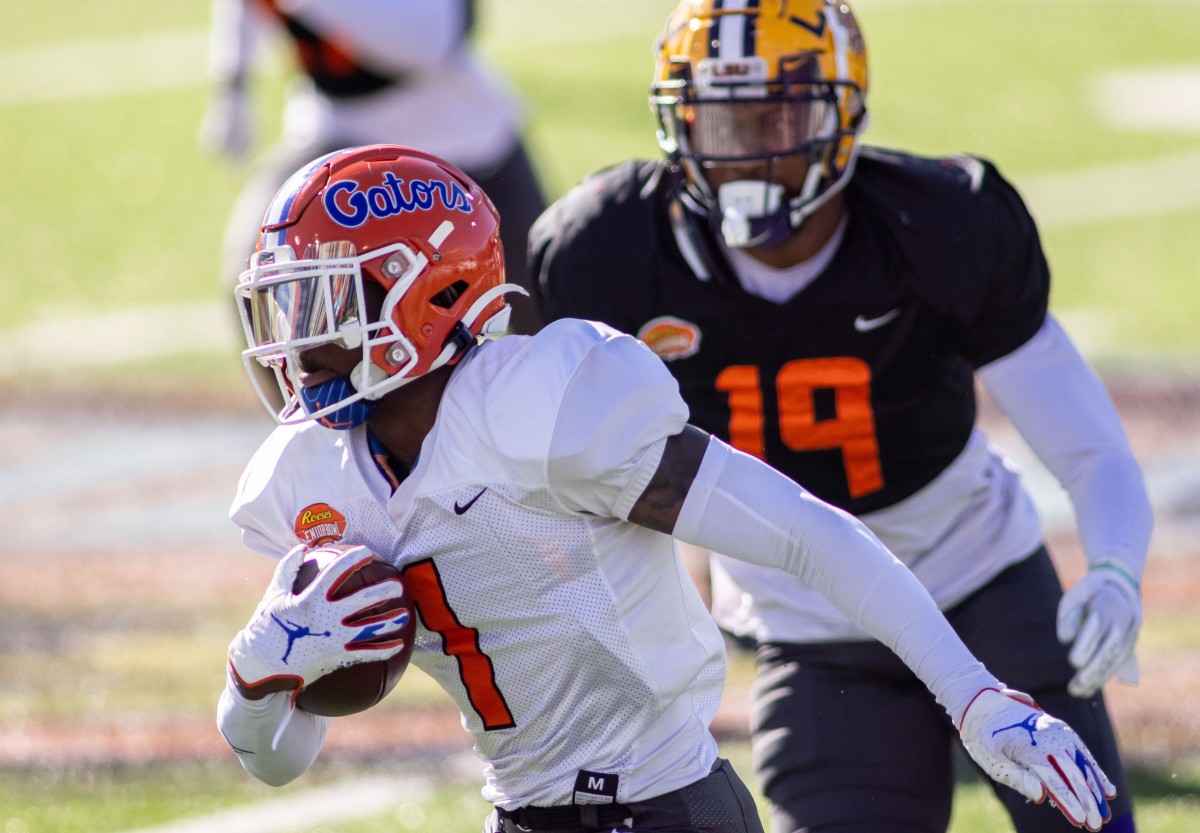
point(405, 220)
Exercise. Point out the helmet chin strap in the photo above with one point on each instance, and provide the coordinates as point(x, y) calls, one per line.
point(498, 323)
point(756, 213)
point(461, 338)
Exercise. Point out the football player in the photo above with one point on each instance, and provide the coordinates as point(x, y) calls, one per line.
point(828, 308)
point(528, 487)
point(403, 71)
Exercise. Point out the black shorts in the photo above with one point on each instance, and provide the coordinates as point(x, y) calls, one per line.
point(718, 803)
point(847, 738)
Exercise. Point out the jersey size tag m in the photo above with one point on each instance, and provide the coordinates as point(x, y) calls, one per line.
point(595, 788)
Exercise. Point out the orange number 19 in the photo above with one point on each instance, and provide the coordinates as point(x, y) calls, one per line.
point(852, 429)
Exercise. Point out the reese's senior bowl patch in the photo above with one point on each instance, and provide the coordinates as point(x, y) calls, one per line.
point(670, 338)
point(320, 524)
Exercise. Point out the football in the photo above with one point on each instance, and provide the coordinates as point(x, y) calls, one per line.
point(355, 688)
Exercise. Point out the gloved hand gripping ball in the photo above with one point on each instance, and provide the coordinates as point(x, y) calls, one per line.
point(335, 627)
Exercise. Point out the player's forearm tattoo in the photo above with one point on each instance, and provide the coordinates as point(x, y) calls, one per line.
point(658, 507)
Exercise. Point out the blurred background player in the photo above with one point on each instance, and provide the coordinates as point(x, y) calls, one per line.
point(829, 307)
point(398, 71)
point(528, 487)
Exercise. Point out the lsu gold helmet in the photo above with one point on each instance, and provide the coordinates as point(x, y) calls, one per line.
point(749, 83)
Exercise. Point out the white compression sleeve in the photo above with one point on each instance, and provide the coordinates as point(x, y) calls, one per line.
point(741, 507)
point(250, 728)
point(1061, 408)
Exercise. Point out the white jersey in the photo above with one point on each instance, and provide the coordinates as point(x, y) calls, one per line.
point(574, 643)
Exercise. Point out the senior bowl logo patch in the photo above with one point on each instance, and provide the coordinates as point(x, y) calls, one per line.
point(319, 524)
point(670, 338)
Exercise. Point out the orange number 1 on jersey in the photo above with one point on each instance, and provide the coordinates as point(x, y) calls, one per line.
point(852, 429)
point(460, 642)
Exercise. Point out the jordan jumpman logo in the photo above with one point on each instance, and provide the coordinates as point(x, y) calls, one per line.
point(294, 632)
point(1029, 724)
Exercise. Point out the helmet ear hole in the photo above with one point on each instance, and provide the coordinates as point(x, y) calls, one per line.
point(446, 298)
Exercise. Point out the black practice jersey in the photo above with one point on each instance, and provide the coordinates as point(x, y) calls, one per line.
point(861, 387)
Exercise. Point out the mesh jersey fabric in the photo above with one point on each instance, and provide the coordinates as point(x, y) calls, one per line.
point(569, 639)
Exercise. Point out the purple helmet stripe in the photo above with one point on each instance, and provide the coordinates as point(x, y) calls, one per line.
point(736, 30)
point(715, 43)
point(750, 35)
point(281, 205)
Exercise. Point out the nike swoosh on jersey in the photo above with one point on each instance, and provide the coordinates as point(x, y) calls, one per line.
point(460, 509)
point(865, 325)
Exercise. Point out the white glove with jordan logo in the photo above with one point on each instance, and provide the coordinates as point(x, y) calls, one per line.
point(1019, 745)
point(294, 638)
point(1099, 617)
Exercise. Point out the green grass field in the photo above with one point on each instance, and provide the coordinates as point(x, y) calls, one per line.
point(107, 205)
point(106, 800)
point(107, 199)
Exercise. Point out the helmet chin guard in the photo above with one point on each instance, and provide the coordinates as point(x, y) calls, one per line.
point(351, 412)
point(752, 214)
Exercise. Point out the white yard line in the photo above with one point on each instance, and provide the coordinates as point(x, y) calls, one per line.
point(116, 337)
point(1149, 99)
point(1146, 188)
point(306, 810)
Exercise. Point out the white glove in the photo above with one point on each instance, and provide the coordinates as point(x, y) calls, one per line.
point(1037, 755)
point(293, 639)
point(226, 128)
point(1101, 615)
